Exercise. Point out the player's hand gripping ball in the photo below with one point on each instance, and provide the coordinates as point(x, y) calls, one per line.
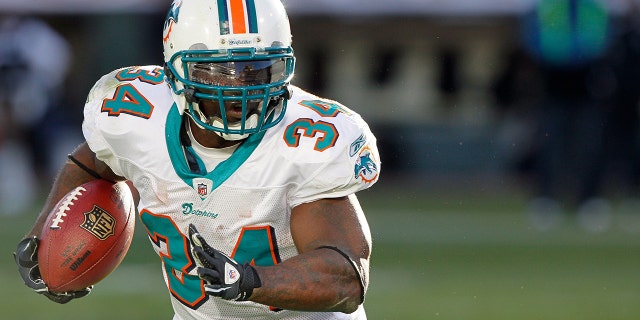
point(86, 235)
point(223, 276)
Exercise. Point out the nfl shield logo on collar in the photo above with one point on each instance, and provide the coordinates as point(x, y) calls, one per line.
point(202, 186)
point(202, 189)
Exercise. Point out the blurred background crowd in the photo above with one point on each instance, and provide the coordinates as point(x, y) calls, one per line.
point(537, 96)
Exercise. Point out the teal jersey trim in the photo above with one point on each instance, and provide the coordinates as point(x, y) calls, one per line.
point(220, 173)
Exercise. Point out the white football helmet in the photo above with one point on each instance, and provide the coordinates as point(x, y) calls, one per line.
point(236, 54)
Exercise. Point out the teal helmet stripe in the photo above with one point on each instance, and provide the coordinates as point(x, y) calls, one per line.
point(223, 15)
point(252, 16)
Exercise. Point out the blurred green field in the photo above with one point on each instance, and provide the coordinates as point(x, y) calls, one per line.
point(437, 255)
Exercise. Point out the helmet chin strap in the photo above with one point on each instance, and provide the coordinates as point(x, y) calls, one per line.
point(251, 122)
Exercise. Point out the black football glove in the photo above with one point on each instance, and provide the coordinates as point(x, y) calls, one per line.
point(26, 257)
point(224, 277)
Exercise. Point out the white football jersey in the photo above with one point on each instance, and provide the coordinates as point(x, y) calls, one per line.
point(242, 203)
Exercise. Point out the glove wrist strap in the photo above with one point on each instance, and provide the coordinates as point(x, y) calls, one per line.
point(250, 281)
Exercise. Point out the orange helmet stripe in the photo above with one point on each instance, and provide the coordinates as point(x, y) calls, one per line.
point(238, 16)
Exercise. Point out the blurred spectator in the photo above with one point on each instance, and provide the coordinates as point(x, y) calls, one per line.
point(622, 122)
point(34, 60)
point(568, 40)
point(517, 90)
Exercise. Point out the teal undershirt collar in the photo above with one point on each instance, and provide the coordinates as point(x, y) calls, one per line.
point(222, 171)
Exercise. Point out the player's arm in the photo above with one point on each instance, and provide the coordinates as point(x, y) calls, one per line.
point(71, 175)
point(332, 271)
point(80, 168)
point(330, 274)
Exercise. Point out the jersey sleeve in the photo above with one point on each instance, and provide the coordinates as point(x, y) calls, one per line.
point(133, 92)
point(352, 164)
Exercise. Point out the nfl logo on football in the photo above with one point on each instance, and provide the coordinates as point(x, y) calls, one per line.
point(99, 223)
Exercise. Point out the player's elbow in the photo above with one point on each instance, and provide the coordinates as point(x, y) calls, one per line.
point(355, 282)
point(349, 298)
point(350, 305)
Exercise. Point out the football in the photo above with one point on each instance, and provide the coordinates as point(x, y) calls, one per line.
point(86, 235)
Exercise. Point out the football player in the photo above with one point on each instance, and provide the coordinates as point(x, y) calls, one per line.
point(246, 183)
